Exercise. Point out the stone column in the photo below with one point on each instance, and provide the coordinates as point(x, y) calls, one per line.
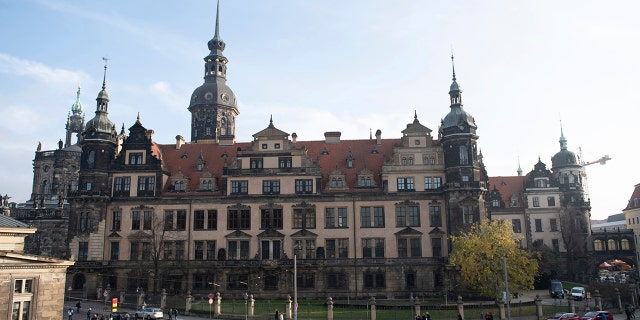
point(460, 306)
point(372, 302)
point(106, 296)
point(617, 292)
point(501, 303)
point(252, 304)
point(538, 302)
point(572, 305)
point(598, 299)
point(163, 299)
point(288, 309)
point(99, 293)
point(416, 306)
point(329, 308)
point(187, 307)
point(217, 301)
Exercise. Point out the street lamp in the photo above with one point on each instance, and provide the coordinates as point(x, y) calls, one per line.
point(246, 306)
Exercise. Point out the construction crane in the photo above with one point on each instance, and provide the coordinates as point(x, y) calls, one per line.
point(601, 161)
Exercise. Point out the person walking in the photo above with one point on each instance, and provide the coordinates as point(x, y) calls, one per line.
point(170, 313)
point(70, 313)
point(89, 314)
point(277, 315)
point(78, 307)
point(175, 313)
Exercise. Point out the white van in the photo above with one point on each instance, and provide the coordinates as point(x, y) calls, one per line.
point(578, 293)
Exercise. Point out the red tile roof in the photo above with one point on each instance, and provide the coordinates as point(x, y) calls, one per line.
point(508, 186)
point(635, 195)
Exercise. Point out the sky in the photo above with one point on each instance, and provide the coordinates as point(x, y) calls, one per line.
point(525, 68)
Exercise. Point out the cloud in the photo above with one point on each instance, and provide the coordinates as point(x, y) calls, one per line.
point(165, 94)
point(20, 67)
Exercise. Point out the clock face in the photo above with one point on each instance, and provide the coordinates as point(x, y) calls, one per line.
point(208, 96)
point(225, 97)
point(45, 168)
point(461, 127)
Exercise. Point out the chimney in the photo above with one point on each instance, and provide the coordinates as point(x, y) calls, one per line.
point(179, 142)
point(294, 137)
point(150, 135)
point(378, 137)
point(332, 137)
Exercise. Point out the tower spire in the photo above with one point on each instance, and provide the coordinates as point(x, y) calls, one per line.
point(217, 33)
point(563, 140)
point(453, 67)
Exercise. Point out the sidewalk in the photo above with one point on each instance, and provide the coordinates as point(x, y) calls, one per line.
point(101, 308)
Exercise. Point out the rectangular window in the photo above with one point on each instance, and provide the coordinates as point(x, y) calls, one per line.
point(135, 158)
point(83, 251)
point(378, 217)
point(181, 220)
point(553, 224)
point(405, 184)
point(134, 251)
point(168, 220)
point(416, 247)
point(365, 217)
point(428, 183)
point(373, 248)
point(148, 218)
point(240, 187)
point(212, 219)
point(402, 248)
point(284, 162)
point(117, 219)
point(135, 220)
point(407, 216)
point(434, 216)
point(304, 186)
point(256, 163)
point(536, 201)
point(304, 218)
point(271, 219)
point(115, 250)
point(468, 216)
point(538, 223)
point(211, 250)
point(239, 219)
point(437, 182)
point(198, 220)
point(271, 187)
point(198, 250)
point(551, 201)
point(436, 247)
point(335, 217)
point(23, 286)
point(556, 245)
point(517, 225)
point(337, 248)
point(146, 185)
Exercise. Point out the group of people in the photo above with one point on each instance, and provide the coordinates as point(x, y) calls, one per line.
point(278, 315)
point(630, 311)
point(423, 316)
point(173, 313)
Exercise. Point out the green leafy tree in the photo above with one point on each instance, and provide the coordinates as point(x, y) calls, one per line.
point(480, 252)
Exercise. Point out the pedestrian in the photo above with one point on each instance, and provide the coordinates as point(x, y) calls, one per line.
point(418, 316)
point(70, 313)
point(627, 311)
point(277, 315)
point(78, 307)
point(428, 316)
point(459, 316)
point(175, 313)
point(281, 316)
point(170, 313)
point(89, 314)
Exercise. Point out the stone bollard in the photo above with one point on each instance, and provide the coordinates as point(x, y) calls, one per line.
point(501, 308)
point(122, 295)
point(460, 306)
point(288, 308)
point(329, 308)
point(217, 306)
point(538, 302)
point(187, 305)
point(252, 304)
point(617, 292)
point(163, 299)
point(598, 299)
point(372, 302)
point(571, 304)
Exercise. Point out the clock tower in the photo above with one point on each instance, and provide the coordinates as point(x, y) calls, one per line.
point(213, 105)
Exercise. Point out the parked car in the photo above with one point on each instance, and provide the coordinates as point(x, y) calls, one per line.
point(578, 293)
point(149, 313)
point(596, 315)
point(556, 290)
point(564, 316)
point(120, 315)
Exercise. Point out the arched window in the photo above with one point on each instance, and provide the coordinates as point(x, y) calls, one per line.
point(223, 126)
point(612, 244)
point(91, 160)
point(624, 244)
point(598, 245)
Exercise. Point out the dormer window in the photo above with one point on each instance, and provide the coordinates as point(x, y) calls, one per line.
point(365, 179)
point(495, 203)
point(349, 163)
point(337, 180)
point(178, 186)
point(336, 183)
point(256, 163)
point(199, 167)
point(284, 162)
point(135, 158)
point(514, 201)
point(541, 183)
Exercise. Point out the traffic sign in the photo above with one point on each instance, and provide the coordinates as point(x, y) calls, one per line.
point(210, 295)
point(210, 301)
